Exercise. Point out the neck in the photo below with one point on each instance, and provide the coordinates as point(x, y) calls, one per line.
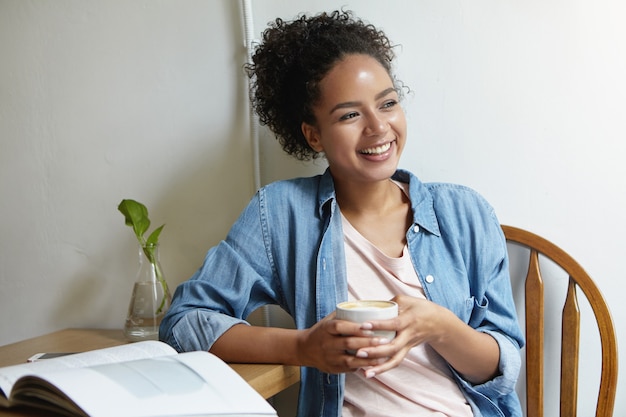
point(375, 198)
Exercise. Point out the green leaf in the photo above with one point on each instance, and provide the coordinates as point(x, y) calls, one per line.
point(136, 216)
point(153, 239)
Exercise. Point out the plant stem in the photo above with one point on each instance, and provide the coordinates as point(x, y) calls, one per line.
point(149, 250)
point(159, 276)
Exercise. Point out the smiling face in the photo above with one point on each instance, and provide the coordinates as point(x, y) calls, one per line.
point(360, 125)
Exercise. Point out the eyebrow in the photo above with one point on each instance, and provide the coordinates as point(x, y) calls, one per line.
point(356, 103)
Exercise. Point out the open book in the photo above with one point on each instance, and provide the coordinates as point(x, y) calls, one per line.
point(139, 379)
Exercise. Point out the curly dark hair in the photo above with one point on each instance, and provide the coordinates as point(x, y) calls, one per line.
point(294, 57)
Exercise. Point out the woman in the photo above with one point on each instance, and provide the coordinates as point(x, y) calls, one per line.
point(363, 229)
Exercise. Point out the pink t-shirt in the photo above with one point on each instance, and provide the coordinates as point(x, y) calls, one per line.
point(422, 384)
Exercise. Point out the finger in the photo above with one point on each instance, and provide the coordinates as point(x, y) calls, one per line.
point(346, 362)
point(354, 363)
point(372, 347)
point(379, 368)
point(348, 328)
point(389, 324)
point(383, 366)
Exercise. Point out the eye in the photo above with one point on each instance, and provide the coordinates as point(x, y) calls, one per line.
point(389, 104)
point(348, 116)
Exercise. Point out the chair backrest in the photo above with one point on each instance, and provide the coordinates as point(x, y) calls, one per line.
point(570, 328)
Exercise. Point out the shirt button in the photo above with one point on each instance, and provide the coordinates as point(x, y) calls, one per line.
point(416, 228)
point(430, 279)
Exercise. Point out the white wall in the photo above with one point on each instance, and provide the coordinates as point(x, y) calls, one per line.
point(102, 101)
point(99, 101)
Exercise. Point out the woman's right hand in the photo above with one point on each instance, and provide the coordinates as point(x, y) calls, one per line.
point(325, 346)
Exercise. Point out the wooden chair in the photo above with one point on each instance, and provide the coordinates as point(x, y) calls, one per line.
point(570, 330)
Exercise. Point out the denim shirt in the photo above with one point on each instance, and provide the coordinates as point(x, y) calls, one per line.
point(287, 248)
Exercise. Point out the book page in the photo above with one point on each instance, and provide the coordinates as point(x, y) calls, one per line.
point(193, 383)
point(131, 351)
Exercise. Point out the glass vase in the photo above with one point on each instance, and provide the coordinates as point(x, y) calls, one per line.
point(150, 298)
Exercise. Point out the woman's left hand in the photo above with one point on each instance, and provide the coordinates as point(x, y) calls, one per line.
point(415, 324)
point(472, 353)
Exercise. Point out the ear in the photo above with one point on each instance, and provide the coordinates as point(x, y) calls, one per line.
point(312, 136)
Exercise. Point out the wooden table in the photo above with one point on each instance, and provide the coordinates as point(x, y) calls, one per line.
point(266, 379)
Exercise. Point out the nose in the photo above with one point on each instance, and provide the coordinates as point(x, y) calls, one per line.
point(375, 125)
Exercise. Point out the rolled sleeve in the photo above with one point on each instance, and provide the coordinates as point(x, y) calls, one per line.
point(199, 329)
point(497, 396)
point(509, 366)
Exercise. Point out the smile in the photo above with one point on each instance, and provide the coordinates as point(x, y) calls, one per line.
point(377, 150)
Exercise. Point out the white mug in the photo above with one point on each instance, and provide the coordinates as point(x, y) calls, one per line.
point(361, 311)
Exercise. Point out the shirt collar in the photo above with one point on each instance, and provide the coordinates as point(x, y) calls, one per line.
point(421, 199)
point(421, 202)
point(325, 192)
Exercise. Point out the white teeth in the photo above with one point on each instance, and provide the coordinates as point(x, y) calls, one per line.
point(377, 150)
